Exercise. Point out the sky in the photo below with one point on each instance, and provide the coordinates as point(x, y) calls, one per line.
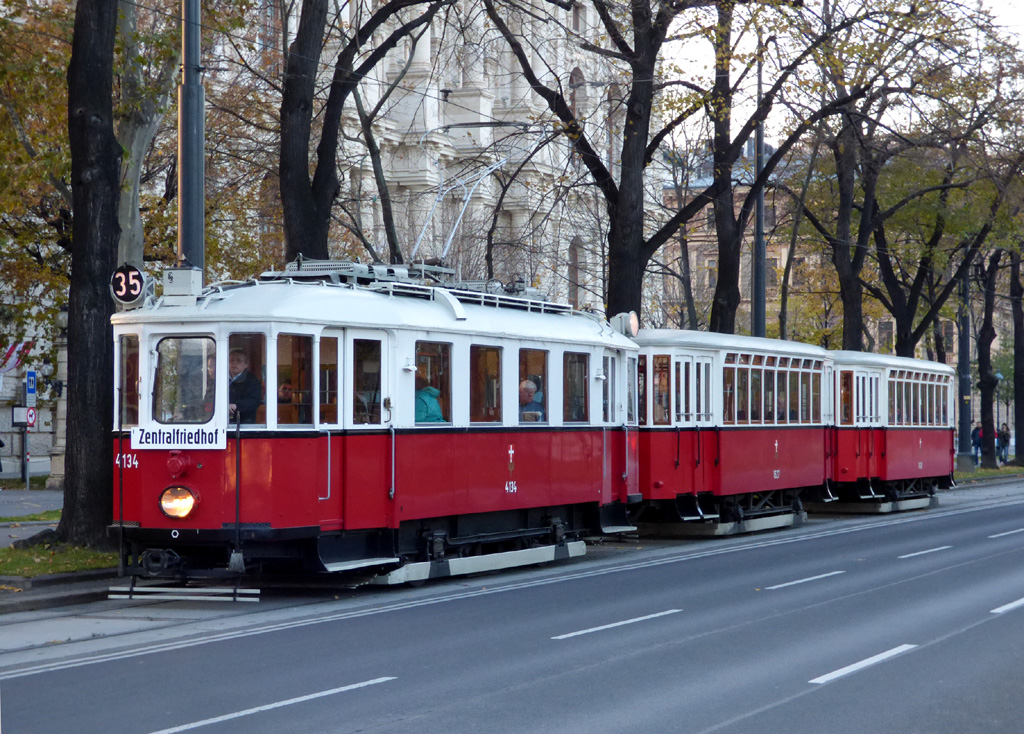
point(1009, 13)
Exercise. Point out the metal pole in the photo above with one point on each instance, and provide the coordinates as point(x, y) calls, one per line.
point(191, 99)
point(965, 458)
point(758, 296)
point(26, 455)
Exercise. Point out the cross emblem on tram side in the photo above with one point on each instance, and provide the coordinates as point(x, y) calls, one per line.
point(511, 456)
point(776, 448)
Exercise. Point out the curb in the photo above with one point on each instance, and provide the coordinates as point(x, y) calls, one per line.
point(54, 590)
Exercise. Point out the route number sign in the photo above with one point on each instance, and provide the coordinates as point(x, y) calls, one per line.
point(127, 284)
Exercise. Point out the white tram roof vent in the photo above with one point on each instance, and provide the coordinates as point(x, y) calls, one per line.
point(182, 286)
point(348, 271)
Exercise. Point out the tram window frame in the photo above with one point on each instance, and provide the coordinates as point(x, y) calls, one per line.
point(433, 362)
point(742, 394)
point(366, 390)
point(641, 389)
point(180, 377)
point(781, 395)
point(816, 399)
point(805, 397)
point(729, 396)
point(533, 366)
point(575, 387)
point(794, 395)
point(661, 389)
point(254, 345)
point(631, 386)
point(685, 389)
point(677, 377)
point(756, 396)
point(608, 389)
point(128, 380)
point(328, 363)
point(768, 382)
point(295, 366)
point(484, 383)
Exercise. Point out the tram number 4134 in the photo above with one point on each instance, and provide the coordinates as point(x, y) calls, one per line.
point(128, 461)
point(510, 487)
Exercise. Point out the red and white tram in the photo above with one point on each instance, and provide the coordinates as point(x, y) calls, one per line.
point(893, 440)
point(732, 430)
point(405, 446)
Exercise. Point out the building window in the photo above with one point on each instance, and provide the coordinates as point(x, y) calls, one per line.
point(885, 343)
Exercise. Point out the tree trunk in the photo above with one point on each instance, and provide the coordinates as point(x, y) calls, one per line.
point(1016, 296)
point(987, 381)
point(95, 165)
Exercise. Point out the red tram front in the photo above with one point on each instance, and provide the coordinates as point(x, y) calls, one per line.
point(353, 421)
point(732, 430)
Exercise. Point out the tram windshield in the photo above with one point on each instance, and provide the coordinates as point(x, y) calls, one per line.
point(184, 387)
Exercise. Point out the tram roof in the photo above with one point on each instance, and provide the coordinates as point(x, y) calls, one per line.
point(883, 361)
point(423, 308)
point(711, 340)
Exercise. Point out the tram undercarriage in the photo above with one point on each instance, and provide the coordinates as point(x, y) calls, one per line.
point(705, 515)
point(874, 496)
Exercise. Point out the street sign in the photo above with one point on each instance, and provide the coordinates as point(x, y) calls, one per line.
point(30, 417)
point(19, 416)
point(30, 388)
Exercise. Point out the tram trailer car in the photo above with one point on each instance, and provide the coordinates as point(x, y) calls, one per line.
point(732, 431)
point(893, 444)
point(401, 449)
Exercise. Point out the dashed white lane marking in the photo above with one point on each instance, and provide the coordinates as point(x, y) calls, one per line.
point(863, 664)
point(1009, 607)
point(616, 624)
point(1008, 532)
point(924, 552)
point(270, 706)
point(803, 581)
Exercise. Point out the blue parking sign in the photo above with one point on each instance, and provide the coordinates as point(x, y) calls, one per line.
point(30, 388)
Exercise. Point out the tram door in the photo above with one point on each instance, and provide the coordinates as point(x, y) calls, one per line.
point(368, 443)
point(328, 402)
point(692, 379)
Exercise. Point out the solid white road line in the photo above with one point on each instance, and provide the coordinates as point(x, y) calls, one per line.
point(803, 581)
point(1009, 607)
point(863, 664)
point(269, 706)
point(615, 624)
point(1008, 532)
point(930, 550)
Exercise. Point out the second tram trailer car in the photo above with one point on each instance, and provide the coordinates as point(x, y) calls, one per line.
point(732, 430)
point(345, 421)
point(894, 442)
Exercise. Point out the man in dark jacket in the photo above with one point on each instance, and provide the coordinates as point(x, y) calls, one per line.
point(245, 392)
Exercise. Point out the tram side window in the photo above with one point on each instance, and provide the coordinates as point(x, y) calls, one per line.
point(742, 394)
point(846, 398)
point(294, 379)
point(729, 395)
point(181, 378)
point(755, 395)
point(433, 394)
point(769, 396)
point(128, 389)
point(805, 397)
point(641, 387)
point(631, 390)
point(608, 391)
point(533, 375)
point(892, 402)
point(782, 411)
point(661, 384)
point(366, 381)
point(575, 387)
point(329, 379)
point(484, 384)
point(816, 397)
point(247, 376)
point(794, 396)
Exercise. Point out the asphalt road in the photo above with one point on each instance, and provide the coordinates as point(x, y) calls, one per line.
point(894, 624)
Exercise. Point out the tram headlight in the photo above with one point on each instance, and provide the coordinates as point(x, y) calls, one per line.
point(178, 502)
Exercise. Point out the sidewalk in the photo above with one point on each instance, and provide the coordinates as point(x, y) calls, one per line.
point(37, 466)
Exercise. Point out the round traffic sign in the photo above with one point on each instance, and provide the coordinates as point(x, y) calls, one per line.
point(30, 417)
